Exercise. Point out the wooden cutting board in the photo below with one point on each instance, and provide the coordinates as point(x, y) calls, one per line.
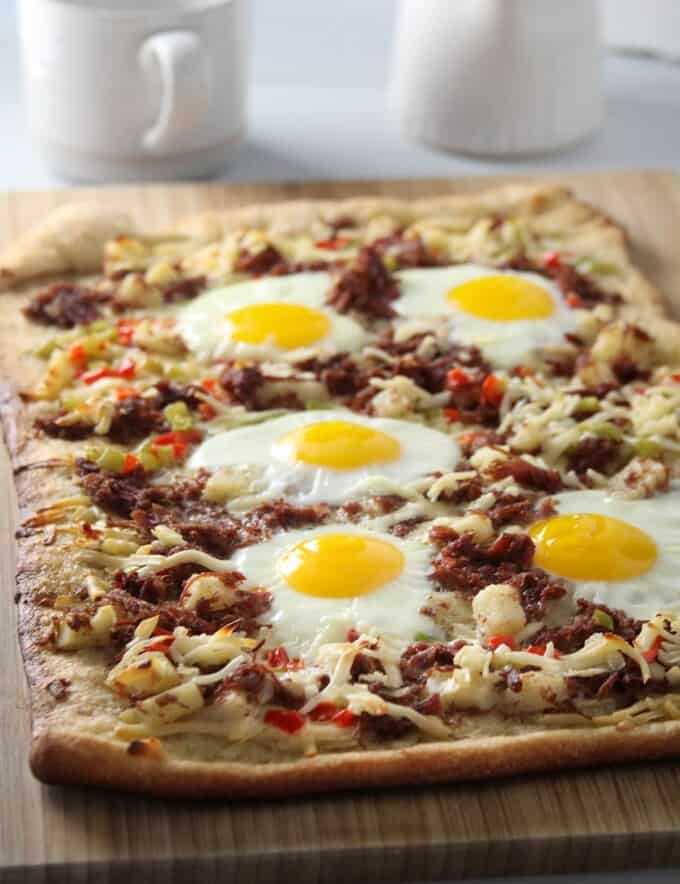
point(577, 821)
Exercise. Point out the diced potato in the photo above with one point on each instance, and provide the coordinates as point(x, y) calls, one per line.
point(208, 589)
point(173, 704)
point(498, 611)
point(150, 673)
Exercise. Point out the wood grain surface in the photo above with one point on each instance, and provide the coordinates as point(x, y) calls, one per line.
point(576, 821)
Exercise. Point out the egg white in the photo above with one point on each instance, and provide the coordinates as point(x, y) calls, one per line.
point(296, 619)
point(504, 343)
point(423, 450)
point(205, 329)
point(658, 590)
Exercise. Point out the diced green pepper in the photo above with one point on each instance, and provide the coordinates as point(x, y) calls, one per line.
point(152, 366)
point(45, 350)
point(603, 619)
point(648, 448)
point(424, 637)
point(93, 452)
point(112, 459)
point(588, 404)
point(148, 456)
point(597, 268)
point(180, 372)
point(178, 416)
point(606, 431)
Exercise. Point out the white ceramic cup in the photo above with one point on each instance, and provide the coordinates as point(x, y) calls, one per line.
point(497, 77)
point(135, 89)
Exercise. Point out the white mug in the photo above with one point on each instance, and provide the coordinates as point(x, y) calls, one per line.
point(497, 77)
point(135, 89)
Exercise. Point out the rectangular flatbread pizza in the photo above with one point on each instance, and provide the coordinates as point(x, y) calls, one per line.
point(323, 495)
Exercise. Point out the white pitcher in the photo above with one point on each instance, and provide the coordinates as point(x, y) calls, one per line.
point(497, 77)
point(135, 89)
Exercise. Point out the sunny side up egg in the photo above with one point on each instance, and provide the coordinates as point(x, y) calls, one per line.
point(620, 553)
point(328, 580)
point(269, 318)
point(508, 315)
point(325, 456)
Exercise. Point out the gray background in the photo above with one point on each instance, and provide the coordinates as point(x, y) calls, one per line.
point(318, 110)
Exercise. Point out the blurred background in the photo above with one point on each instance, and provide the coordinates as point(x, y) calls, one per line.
point(317, 106)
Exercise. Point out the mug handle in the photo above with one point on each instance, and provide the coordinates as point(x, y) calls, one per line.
point(179, 58)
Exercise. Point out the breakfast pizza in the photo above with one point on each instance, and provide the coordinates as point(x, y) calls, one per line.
point(342, 494)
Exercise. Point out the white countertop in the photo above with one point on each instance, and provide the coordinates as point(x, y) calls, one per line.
point(318, 111)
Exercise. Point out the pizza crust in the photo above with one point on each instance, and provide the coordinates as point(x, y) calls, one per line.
point(71, 759)
point(72, 241)
point(69, 240)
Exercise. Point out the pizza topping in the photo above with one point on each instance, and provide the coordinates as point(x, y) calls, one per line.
point(198, 653)
point(588, 620)
point(65, 305)
point(527, 474)
point(401, 252)
point(184, 289)
point(261, 686)
point(365, 286)
point(572, 282)
point(475, 397)
point(593, 453)
point(419, 659)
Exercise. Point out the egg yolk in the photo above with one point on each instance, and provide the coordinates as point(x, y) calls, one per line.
point(502, 298)
point(589, 546)
point(286, 325)
point(340, 566)
point(339, 445)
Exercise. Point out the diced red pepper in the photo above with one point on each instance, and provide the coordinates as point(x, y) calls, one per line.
point(323, 712)
point(492, 390)
point(89, 531)
point(452, 415)
point(552, 260)
point(78, 355)
point(206, 411)
point(90, 377)
point(337, 242)
point(523, 371)
point(130, 463)
point(127, 369)
point(160, 645)
point(676, 377)
point(126, 331)
point(286, 720)
point(209, 384)
point(574, 301)
point(495, 641)
point(160, 630)
point(541, 649)
point(179, 441)
point(277, 658)
point(431, 706)
point(456, 377)
point(125, 393)
point(345, 718)
point(652, 653)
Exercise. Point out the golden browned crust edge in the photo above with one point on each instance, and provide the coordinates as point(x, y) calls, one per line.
point(67, 757)
point(69, 240)
point(70, 759)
